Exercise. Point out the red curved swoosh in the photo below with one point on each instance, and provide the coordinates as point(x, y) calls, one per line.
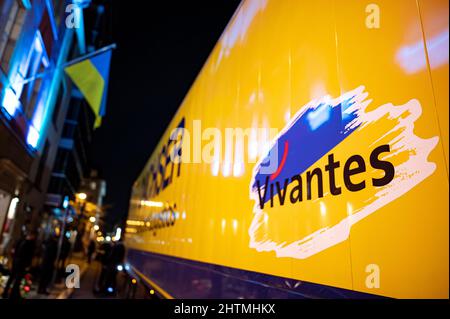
point(283, 160)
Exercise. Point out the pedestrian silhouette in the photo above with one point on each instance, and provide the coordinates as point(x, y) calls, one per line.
point(90, 251)
point(65, 251)
point(116, 258)
point(23, 256)
point(50, 250)
point(103, 257)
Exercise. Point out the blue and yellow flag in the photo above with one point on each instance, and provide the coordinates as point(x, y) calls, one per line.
point(91, 78)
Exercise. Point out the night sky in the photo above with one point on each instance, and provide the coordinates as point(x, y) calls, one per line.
point(161, 49)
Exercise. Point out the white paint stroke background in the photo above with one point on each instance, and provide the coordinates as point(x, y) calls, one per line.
point(407, 174)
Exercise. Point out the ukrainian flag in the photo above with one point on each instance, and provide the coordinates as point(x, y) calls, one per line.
point(91, 77)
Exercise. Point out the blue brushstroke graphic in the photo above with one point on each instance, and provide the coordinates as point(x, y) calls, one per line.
point(311, 136)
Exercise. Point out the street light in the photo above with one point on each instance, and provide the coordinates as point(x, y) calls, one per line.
point(82, 196)
point(118, 234)
point(65, 203)
point(96, 227)
point(92, 219)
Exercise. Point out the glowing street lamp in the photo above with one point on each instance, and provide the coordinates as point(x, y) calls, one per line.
point(118, 234)
point(82, 196)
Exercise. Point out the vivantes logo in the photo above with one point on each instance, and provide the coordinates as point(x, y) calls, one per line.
point(338, 162)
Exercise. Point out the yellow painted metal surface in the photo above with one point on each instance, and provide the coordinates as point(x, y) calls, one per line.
point(274, 59)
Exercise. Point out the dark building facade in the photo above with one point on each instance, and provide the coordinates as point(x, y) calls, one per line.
point(45, 123)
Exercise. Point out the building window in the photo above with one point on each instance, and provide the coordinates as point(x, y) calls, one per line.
point(37, 64)
point(47, 36)
point(11, 32)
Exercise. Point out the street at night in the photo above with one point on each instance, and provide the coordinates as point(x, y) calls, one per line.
point(251, 151)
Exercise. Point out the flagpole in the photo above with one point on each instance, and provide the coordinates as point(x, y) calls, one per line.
point(69, 63)
point(89, 55)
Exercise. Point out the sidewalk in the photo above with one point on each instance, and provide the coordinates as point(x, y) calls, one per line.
point(87, 284)
point(59, 290)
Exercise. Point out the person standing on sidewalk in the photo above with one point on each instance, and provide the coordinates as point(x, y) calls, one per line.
point(104, 257)
point(50, 249)
point(116, 258)
point(65, 252)
point(23, 256)
point(90, 251)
